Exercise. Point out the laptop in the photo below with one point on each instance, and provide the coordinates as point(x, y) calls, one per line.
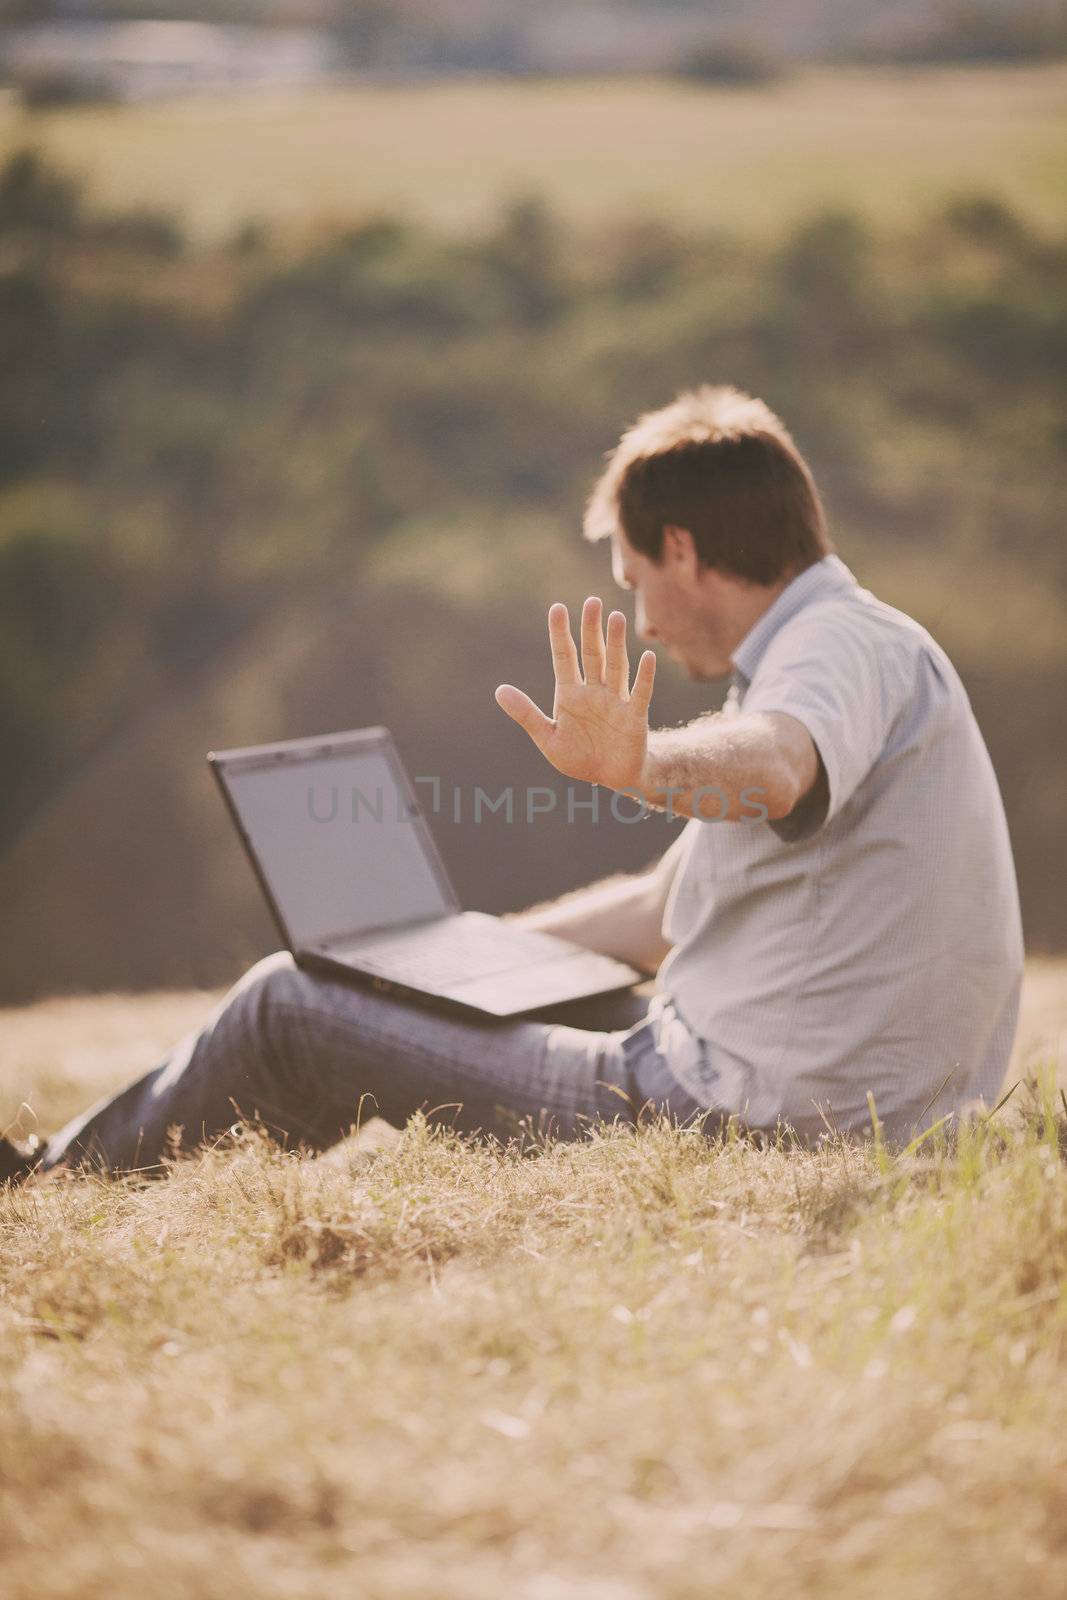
point(349, 869)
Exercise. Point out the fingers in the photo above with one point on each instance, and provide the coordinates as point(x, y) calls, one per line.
point(601, 664)
point(522, 710)
point(617, 662)
point(592, 641)
point(564, 655)
point(641, 694)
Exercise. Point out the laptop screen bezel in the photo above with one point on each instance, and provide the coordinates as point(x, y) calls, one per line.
point(292, 751)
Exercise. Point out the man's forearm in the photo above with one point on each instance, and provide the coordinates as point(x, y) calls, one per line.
point(726, 769)
point(620, 917)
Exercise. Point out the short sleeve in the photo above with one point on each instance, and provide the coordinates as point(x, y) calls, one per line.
point(839, 677)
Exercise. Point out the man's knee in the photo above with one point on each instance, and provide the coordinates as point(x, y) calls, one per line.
point(260, 1001)
point(270, 974)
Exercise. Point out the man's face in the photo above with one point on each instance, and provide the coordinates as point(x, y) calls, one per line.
point(690, 611)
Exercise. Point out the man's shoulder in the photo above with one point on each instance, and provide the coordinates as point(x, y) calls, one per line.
point(854, 650)
point(858, 621)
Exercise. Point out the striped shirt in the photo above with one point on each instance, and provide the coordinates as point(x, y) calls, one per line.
point(871, 942)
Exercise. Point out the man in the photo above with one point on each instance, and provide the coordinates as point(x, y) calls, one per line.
point(836, 930)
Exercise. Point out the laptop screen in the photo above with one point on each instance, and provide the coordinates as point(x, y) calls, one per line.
point(336, 839)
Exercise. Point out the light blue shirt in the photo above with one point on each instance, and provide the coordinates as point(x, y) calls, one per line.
point(872, 942)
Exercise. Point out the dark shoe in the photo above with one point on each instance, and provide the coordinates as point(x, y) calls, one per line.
point(18, 1159)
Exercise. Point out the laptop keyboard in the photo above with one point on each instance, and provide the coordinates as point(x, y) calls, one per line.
point(446, 953)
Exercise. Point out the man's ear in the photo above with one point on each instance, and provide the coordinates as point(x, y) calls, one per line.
point(679, 548)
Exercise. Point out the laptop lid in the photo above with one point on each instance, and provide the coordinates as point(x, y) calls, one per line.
point(335, 834)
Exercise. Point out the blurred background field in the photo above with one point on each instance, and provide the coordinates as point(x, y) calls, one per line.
point(883, 142)
point(304, 384)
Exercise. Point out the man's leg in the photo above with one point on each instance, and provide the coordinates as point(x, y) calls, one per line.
point(309, 1055)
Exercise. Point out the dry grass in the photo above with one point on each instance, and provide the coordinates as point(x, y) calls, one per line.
point(884, 142)
point(637, 1367)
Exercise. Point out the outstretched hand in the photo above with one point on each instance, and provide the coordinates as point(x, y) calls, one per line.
point(598, 731)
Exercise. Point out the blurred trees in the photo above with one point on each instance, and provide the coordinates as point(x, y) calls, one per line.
point(739, 63)
point(190, 442)
point(966, 32)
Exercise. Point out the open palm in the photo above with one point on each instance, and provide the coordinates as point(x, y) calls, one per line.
point(598, 731)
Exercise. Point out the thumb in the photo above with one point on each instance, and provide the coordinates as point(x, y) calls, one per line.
point(521, 709)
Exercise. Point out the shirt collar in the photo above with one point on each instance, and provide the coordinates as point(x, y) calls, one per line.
point(820, 581)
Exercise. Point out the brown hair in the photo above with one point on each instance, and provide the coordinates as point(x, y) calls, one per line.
point(722, 465)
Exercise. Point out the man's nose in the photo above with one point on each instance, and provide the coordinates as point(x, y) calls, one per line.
point(644, 630)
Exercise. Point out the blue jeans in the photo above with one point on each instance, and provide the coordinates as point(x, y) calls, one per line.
point(308, 1056)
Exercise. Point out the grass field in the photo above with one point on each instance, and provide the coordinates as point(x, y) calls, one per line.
point(886, 142)
point(631, 1369)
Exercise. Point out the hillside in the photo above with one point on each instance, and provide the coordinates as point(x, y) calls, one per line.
point(634, 1369)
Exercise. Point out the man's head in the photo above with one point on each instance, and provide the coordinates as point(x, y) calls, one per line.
point(711, 511)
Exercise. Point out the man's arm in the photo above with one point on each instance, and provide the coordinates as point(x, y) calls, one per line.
point(620, 917)
point(717, 768)
point(725, 769)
